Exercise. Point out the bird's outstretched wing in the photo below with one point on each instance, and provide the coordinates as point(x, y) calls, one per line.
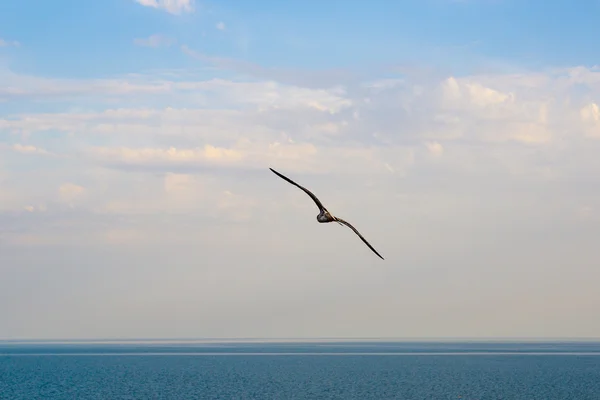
point(308, 192)
point(359, 235)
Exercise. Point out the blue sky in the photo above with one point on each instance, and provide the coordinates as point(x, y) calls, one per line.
point(459, 137)
point(74, 38)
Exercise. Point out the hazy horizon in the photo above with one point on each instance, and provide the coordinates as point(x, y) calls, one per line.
point(433, 340)
point(461, 138)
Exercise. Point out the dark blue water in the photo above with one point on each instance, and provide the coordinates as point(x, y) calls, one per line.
point(544, 371)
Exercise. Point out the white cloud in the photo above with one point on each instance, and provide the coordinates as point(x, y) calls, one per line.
point(172, 6)
point(267, 94)
point(171, 155)
point(590, 114)
point(16, 86)
point(252, 124)
point(459, 93)
point(248, 154)
point(156, 40)
point(220, 26)
point(25, 149)
point(69, 192)
point(170, 173)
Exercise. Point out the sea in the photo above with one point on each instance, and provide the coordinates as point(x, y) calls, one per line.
point(326, 369)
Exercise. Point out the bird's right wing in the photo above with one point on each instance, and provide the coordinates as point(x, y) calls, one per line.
point(308, 192)
point(359, 235)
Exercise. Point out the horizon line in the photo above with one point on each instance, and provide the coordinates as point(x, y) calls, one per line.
point(304, 339)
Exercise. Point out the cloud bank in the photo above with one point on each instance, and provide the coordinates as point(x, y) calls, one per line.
point(478, 190)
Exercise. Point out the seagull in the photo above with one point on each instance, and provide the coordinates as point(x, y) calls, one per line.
point(324, 215)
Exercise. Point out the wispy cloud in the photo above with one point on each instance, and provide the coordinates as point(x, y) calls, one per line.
point(172, 155)
point(25, 149)
point(220, 26)
point(156, 40)
point(16, 86)
point(172, 6)
point(9, 43)
point(312, 79)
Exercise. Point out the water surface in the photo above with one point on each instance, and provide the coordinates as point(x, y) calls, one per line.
point(316, 370)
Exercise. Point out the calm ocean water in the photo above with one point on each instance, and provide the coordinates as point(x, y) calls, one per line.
point(360, 370)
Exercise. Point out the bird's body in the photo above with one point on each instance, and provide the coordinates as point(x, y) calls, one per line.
point(324, 215)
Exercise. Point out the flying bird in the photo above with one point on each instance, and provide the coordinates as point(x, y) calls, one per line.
point(324, 215)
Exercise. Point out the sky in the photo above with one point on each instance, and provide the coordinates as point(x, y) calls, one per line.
point(461, 138)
